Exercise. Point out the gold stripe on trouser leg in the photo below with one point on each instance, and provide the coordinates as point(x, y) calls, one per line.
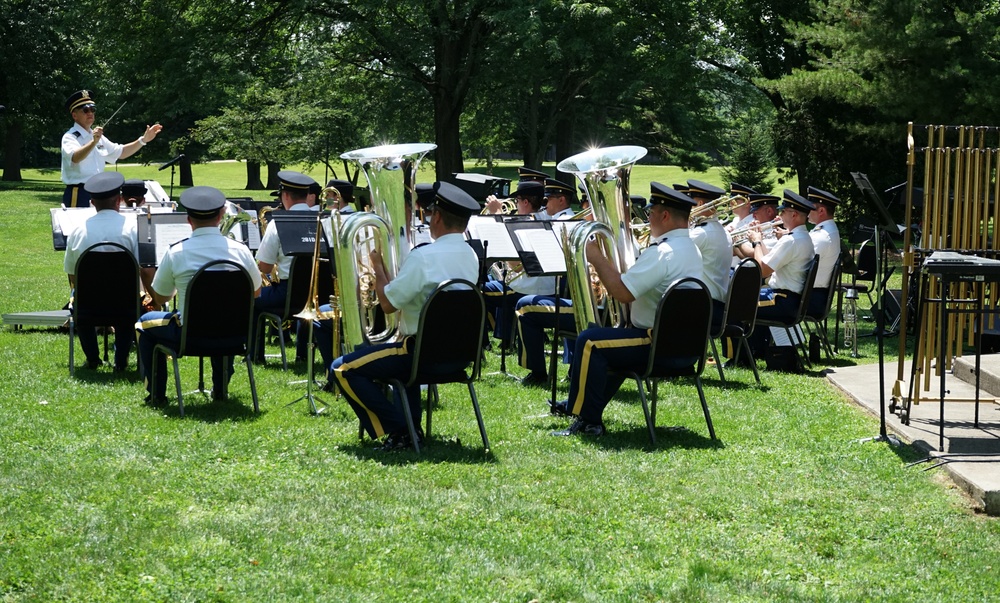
point(522, 358)
point(588, 348)
point(342, 380)
point(73, 197)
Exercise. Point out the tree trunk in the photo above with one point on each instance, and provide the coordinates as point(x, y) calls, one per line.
point(448, 156)
point(187, 178)
point(272, 175)
point(565, 148)
point(12, 153)
point(253, 176)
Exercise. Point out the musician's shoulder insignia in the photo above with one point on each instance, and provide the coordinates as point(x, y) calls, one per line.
point(178, 242)
point(76, 133)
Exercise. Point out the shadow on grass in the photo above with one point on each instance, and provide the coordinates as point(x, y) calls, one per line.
point(199, 407)
point(667, 437)
point(435, 449)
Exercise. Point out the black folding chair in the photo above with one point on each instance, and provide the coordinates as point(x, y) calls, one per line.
point(800, 314)
point(218, 310)
point(680, 330)
point(819, 320)
point(740, 315)
point(299, 282)
point(106, 291)
point(449, 333)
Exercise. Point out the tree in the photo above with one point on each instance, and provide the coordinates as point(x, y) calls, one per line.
point(43, 63)
point(751, 160)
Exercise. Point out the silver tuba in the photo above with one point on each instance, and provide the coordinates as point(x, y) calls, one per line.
point(604, 174)
point(390, 227)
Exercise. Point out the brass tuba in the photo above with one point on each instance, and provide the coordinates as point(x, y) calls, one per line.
point(604, 174)
point(390, 227)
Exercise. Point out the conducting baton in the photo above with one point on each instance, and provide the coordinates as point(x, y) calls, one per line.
point(113, 115)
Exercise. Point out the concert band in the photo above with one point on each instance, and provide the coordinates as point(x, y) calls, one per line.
point(692, 230)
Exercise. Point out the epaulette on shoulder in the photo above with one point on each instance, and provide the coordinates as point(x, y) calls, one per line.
point(76, 133)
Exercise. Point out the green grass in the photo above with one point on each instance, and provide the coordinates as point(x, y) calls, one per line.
point(105, 499)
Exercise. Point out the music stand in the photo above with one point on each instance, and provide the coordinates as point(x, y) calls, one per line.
point(297, 232)
point(541, 254)
point(497, 247)
point(883, 226)
point(157, 232)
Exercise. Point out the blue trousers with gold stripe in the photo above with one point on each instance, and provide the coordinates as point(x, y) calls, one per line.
point(772, 305)
point(600, 349)
point(535, 313)
point(500, 303)
point(355, 374)
point(75, 196)
point(155, 328)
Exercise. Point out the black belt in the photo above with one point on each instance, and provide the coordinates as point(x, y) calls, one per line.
point(75, 185)
point(786, 292)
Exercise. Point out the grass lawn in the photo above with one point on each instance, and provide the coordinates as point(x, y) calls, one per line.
point(103, 498)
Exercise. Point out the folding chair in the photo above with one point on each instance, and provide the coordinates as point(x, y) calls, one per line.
point(449, 334)
point(800, 314)
point(106, 291)
point(218, 310)
point(740, 314)
point(820, 319)
point(299, 281)
point(680, 330)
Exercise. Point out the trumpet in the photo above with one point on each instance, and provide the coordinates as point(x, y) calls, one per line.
point(508, 207)
point(740, 236)
point(723, 205)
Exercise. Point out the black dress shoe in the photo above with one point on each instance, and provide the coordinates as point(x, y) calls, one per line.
point(535, 380)
point(583, 427)
point(400, 440)
point(156, 401)
point(93, 364)
point(329, 387)
point(560, 408)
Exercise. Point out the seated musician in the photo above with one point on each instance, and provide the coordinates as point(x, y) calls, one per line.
point(345, 202)
point(826, 240)
point(764, 211)
point(205, 206)
point(295, 191)
point(671, 256)
point(134, 193)
point(425, 267)
point(535, 313)
point(104, 192)
point(714, 244)
point(741, 211)
point(785, 264)
point(501, 297)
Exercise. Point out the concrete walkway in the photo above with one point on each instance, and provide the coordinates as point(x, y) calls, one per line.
point(970, 454)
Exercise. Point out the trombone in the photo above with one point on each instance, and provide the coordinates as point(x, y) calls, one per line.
point(723, 205)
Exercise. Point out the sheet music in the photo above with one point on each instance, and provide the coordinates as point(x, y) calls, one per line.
point(165, 235)
point(542, 242)
point(500, 247)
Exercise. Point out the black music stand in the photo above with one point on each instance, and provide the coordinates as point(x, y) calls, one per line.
point(883, 226)
point(541, 254)
point(497, 247)
point(297, 232)
point(157, 232)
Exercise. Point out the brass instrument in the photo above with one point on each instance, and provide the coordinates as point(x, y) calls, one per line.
point(263, 220)
point(508, 207)
point(234, 215)
point(740, 236)
point(604, 174)
point(391, 228)
point(723, 206)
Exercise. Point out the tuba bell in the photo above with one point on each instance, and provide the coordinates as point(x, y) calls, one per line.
point(604, 174)
point(390, 227)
